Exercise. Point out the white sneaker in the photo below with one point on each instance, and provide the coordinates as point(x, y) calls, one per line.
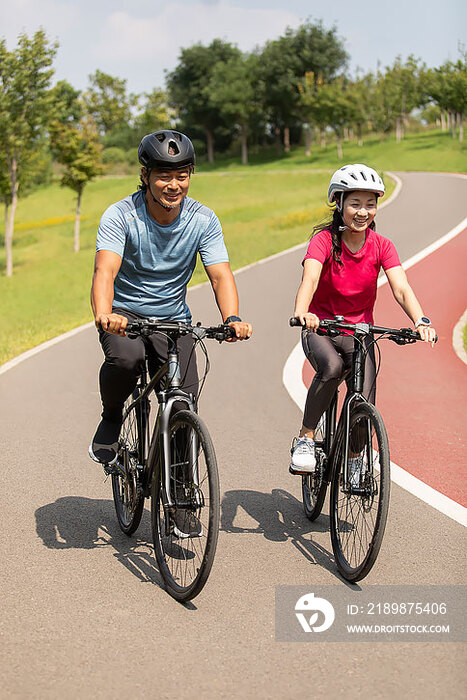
point(303, 456)
point(355, 470)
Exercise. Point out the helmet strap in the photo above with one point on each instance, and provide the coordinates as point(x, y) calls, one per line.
point(340, 203)
point(150, 192)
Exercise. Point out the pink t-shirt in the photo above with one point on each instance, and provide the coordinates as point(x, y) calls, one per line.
point(349, 290)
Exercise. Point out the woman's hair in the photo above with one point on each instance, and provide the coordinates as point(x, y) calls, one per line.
point(333, 226)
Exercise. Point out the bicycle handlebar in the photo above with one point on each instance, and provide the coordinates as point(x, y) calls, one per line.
point(145, 327)
point(337, 326)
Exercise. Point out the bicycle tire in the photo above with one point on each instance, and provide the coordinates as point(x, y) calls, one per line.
point(127, 491)
point(185, 564)
point(358, 517)
point(314, 486)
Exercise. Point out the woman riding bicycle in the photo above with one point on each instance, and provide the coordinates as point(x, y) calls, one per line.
point(340, 273)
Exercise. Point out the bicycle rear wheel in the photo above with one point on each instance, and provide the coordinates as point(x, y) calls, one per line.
point(126, 478)
point(314, 486)
point(185, 560)
point(359, 511)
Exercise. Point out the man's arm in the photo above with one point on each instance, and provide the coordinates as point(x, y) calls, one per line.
point(225, 290)
point(106, 267)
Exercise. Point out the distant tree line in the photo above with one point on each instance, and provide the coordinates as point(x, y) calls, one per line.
point(294, 89)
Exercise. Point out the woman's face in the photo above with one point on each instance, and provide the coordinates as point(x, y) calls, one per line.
point(359, 210)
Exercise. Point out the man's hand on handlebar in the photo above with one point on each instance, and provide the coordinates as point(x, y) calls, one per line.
point(112, 323)
point(242, 330)
point(308, 320)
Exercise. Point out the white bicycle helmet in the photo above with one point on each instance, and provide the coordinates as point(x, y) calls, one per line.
point(355, 177)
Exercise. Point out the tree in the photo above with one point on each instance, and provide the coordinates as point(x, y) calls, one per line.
point(155, 114)
point(77, 146)
point(232, 91)
point(402, 89)
point(107, 101)
point(331, 104)
point(188, 87)
point(309, 49)
point(25, 105)
point(311, 109)
point(447, 86)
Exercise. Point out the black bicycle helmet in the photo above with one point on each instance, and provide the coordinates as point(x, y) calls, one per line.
point(166, 149)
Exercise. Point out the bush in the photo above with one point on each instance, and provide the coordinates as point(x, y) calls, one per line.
point(113, 154)
point(131, 156)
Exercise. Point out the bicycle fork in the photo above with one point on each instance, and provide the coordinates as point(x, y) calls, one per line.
point(355, 396)
point(166, 406)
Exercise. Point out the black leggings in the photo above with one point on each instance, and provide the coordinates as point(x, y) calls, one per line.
point(124, 359)
point(332, 360)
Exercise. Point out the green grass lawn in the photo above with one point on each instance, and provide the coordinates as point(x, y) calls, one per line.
point(264, 208)
point(427, 150)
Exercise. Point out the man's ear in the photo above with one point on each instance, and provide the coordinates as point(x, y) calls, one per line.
point(144, 175)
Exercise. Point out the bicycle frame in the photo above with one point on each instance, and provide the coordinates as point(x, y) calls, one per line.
point(160, 440)
point(354, 395)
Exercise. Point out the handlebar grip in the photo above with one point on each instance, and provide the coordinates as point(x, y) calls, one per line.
point(294, 321)
point(229, 332)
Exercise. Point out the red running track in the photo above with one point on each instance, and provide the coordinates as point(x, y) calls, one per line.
point(422, 392)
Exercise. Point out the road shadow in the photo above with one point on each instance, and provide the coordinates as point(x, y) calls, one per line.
point(76, 522)
point(280, 518)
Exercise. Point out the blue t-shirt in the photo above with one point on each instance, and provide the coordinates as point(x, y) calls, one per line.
point(158, 261)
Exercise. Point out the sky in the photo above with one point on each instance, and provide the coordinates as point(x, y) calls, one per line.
point(140, 39)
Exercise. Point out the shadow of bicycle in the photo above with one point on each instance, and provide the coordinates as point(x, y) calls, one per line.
point(280, 518)
point(76, 522)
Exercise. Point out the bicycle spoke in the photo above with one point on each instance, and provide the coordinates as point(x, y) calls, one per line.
point(359, 509)
point(127, 492)
point(185, 560)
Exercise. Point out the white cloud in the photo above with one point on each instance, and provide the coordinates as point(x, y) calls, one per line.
point(54, 16)
point(160, 38)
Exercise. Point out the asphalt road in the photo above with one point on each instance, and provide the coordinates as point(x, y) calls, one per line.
point(84, 614)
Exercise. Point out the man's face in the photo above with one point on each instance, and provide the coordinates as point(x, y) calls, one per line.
point(169, 187)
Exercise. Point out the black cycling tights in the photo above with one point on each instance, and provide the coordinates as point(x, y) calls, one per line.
point(332, 360)
point(124, 359)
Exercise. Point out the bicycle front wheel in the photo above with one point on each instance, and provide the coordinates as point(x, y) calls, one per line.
point(126, 478)
point(185, 536)
point(359, 507)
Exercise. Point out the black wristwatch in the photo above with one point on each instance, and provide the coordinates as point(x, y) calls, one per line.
point(231, 319)
point(423, 321)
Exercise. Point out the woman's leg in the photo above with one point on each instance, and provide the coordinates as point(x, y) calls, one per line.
point(325, 357)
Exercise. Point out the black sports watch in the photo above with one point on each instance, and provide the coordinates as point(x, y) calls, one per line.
point(423, 321)
point(232, 319)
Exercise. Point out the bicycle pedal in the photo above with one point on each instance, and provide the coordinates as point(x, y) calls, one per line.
point(300, 472)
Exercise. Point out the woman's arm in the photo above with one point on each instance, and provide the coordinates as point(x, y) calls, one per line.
point(405, 297)
point(310, 278)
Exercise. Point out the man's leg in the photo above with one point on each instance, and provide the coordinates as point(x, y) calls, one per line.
point(117, 378)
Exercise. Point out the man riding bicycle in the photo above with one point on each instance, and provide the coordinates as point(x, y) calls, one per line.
point(147, 245)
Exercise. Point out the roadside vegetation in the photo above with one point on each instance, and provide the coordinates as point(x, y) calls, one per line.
point(264, 208)
point(268, 127)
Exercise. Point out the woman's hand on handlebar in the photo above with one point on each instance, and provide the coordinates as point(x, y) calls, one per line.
point(428, 334)
point(112, 323)
point(309, 321)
